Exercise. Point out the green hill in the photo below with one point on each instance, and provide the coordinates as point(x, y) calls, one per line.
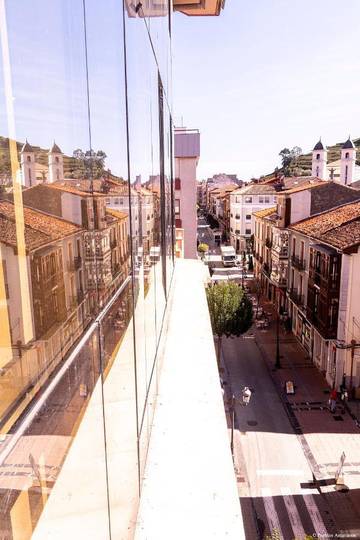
point(71, 166)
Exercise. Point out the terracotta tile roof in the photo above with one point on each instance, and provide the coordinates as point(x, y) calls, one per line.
point(75, 189)
point(117, 213)
point(309, 184)
point(40, 228)
point(255, 189)
point(339, 228)
point(265, 212)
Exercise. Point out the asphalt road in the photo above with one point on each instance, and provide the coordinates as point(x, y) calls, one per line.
point(271, 461)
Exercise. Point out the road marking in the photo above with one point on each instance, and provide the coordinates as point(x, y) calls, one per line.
point(319, 527)
point(279, 472)
point(293, 513)
point(271, 513)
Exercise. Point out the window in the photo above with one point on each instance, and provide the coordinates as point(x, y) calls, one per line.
point(248, 200)
point(28, 158)
point(247, 231)
point(56, 159)
point(248, 216)
point(346, 173)
point(267, 200)
point(237, 216)
point(302, 248)
point(347, 155)
point(177, 206)
point(275, 198)
point(116, 200)
point(261, 199)
point(231, 215)
point(237, 231)
point(231, 229)
point(293, 246)
point(317, 156)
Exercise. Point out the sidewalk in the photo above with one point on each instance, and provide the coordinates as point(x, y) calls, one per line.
point(317, 428)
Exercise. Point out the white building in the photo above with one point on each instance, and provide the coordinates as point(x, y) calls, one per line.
point(33, 173)
point(343, 170)
point(187, 153)
point(243, 203)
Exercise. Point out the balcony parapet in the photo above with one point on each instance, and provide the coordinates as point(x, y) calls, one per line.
point(298, 263)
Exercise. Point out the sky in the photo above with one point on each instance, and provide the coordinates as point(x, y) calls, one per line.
point(265, 75)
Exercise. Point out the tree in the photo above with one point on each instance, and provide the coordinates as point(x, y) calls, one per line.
point(289, 158)
point(89, 164)
point(202, 249)
point(230, 311)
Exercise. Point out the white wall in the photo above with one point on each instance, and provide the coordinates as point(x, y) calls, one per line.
point(185, 169)
point(71, 207)
point(300, 205)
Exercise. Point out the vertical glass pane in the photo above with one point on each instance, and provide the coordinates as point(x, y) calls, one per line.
point(105, 38)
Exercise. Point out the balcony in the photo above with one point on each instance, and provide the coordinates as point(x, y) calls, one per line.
point(297, 298)
point(266, 269)
point(80, 296)
point(268, 243)
point(298, 262)
point(199, 8)
point(187, 315)
point(74, 264)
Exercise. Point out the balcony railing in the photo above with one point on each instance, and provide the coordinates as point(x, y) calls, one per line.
point(268, 243)
point(266, 269)
point(298, 262)
point(297, 298)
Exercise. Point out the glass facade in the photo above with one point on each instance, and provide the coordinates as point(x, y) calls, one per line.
point(86, 258)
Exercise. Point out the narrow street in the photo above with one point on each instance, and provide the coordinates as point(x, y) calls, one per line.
point(271, 460)
point(273, 464)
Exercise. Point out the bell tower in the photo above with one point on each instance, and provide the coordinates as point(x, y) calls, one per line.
point(27, 162)
point(319, 161)
point(56, 165)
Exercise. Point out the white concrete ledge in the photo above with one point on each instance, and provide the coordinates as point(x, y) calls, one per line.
point(189, 490)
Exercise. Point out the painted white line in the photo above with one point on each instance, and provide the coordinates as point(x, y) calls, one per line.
point(279, 472)
point(293, 513)
point(319, 527)
point(271, 513)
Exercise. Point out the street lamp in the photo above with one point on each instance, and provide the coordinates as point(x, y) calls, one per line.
point(245, 400)
point(277, 357)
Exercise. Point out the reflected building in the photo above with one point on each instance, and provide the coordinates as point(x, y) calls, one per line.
point(86, 263)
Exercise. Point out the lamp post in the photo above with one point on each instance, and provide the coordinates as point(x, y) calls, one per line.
point(245, 400)
point(277, 356)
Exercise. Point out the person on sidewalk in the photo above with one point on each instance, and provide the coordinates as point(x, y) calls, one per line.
point(332, 400)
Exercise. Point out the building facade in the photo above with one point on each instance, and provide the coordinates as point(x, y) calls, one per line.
point(78, 398)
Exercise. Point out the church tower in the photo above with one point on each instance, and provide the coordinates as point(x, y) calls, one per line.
point(347, 162)
point(27, 161)
point(56, 166)
point(319, 161)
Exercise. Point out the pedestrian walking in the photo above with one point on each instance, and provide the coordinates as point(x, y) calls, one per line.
point(246, 394)
point(332, 400)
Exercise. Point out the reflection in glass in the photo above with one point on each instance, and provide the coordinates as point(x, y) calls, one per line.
point(85, 259)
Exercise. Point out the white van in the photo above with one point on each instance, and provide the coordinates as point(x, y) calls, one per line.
point(228, 255)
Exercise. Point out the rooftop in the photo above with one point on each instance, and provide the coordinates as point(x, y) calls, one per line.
point(265, 212)
point(339, 228)
point(40, 228)
point(255, 189)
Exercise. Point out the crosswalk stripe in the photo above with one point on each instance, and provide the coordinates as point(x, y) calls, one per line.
point(293, 513)
point(319, 527)
point(271, 513)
